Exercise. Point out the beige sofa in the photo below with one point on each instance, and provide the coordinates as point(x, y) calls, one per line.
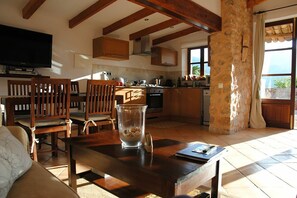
point(37, 181)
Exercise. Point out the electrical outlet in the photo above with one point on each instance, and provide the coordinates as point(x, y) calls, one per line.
point(108, 73)
point(220, 85)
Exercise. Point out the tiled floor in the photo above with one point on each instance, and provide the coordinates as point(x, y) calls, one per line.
point(259, 163)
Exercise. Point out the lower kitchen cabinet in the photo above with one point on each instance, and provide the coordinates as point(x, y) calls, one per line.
point(180, 104)
point(183, 104)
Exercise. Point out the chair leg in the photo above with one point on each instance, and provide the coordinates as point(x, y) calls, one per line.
point(113, 125)
point(35, 153)
point(54, 141)
point(79, 130)
point(34, 147)
point(67, 134)
point(87, 130)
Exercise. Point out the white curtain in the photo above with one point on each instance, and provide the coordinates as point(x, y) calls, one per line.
point(256, 118)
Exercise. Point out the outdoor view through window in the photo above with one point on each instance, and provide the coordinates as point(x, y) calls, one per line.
point(198, 61)
point(277, 68)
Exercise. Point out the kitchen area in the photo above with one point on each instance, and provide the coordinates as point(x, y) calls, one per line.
point(184, 104)
point(157, 81)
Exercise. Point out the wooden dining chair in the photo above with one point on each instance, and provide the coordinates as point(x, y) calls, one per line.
point(50, 102)
point(22, 111)
point(74, 91)
point(20, 88)
point(100, 105)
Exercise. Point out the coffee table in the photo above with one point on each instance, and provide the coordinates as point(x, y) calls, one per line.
point(160, 172)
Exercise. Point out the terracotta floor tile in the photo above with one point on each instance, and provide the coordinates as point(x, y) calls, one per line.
point(234, 179)
point(292, 165)
point(252, 192)
point(263, 178)
point(286, 192)
point(284, 172)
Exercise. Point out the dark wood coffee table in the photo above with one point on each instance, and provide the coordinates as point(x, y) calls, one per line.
point(160, 173)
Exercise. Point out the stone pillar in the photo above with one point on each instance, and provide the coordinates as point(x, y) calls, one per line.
point(231, 69)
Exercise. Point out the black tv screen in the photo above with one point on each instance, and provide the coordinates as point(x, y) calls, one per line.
point(24, 48)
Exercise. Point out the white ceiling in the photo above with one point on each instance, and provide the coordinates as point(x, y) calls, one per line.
point(68, 9)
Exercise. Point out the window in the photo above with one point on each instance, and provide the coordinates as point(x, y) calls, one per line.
point(198, 61)
point(277, 68)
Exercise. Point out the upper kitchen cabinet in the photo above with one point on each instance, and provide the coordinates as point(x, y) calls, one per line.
point(110, 48)
point(163, 56)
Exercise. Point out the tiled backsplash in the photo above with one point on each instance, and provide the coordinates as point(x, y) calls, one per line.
point(135, 74)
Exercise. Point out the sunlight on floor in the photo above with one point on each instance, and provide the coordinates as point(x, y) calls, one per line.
point(259, 163)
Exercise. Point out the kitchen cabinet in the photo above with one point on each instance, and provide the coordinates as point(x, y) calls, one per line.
point(190, 101)
point(167, 102)
point(110, 48)
point(163, 56)
point(132, 95)
point(183, 104)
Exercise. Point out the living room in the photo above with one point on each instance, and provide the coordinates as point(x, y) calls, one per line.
point(72, 58)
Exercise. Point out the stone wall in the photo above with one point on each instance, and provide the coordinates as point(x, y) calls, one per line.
point(231, 76)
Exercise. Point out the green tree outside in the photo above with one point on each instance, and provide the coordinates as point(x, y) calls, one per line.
point(282, 83)
point(196, 70)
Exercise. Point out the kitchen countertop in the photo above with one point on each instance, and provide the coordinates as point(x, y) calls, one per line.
point(162, 87)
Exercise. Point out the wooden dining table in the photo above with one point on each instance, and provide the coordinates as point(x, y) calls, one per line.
point(10, 102)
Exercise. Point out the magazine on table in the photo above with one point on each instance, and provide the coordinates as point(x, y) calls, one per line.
point(200, 152)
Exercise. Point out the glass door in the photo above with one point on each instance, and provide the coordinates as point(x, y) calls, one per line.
point(278, 75)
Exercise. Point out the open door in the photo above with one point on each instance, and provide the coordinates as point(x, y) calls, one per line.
point(279, 74)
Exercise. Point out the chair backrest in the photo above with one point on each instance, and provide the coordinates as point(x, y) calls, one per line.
point(74, 87)
point(20, 88)
point(50, 99)
point(100, 97)
point(74, 91)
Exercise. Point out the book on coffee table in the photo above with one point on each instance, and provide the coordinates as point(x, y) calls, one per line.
point(200, 152)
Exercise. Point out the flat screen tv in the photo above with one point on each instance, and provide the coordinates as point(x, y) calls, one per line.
point(24, 48)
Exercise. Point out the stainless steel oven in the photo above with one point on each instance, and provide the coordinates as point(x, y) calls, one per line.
point(154, 99)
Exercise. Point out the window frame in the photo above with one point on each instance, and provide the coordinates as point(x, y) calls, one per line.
point(201, 63)
point(293, 64)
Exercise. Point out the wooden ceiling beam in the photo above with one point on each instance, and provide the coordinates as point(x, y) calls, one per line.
point(31, 7)
point(175, 35)
point(127, 20)
point(154, 28)
point(90, 11)
point(187, 11)
point(252, 3)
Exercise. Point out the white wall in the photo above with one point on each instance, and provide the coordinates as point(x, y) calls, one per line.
point(279, 14)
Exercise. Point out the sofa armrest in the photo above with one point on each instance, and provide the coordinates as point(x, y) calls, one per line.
point(20, 134)
point(39, 182)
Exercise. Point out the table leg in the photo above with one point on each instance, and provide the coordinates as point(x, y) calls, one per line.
point(216, 182)
point(71, 168)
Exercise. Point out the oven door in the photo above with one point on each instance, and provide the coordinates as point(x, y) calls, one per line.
point(154, 102)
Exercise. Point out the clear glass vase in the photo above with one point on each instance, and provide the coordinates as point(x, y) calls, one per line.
point(131, 124)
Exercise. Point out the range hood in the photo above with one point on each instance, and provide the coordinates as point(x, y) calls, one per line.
point(142, 46)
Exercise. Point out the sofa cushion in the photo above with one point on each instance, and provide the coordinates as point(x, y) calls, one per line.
point(38, 182)
point(14, 160)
